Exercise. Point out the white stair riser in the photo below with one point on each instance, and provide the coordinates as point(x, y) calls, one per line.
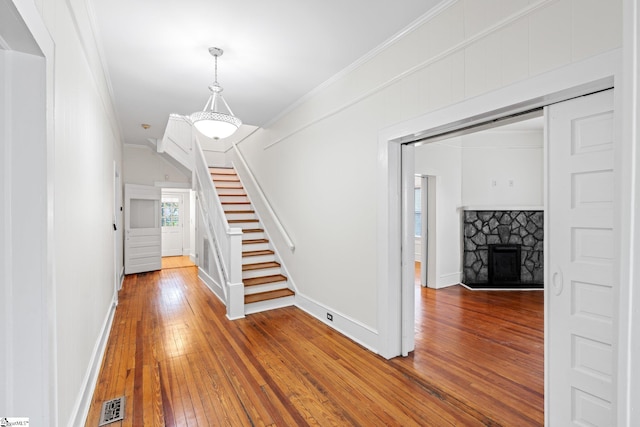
point(224, 198)
point(234, 184)
point(253, 236)
point(258, 258)
point(272, 304)
point(249, 290)
point(244, 225)
point(262, 272)
point(255, 247)
point(230, 191)
point(249, 215)
point(235, 207)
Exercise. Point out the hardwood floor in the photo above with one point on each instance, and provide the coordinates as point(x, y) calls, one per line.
point(176, 262)
point(179, 361)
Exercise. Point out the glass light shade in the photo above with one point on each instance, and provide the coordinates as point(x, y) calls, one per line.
point(214, 124)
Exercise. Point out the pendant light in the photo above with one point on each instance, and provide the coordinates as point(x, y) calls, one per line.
point(216, 120)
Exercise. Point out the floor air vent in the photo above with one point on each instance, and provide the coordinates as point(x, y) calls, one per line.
point(112, 411)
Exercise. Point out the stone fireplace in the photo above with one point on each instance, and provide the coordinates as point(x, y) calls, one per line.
point(503, 248)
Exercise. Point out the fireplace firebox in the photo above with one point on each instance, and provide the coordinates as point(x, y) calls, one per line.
point(504, 264)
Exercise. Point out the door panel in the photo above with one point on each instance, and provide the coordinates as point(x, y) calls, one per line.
point(581, 293)
point(142, 229)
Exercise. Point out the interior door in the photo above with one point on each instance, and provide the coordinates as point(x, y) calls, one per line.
point(142, 248)
point(581, 287)
point(172, 213)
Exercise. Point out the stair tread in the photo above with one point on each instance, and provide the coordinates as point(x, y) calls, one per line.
point(239, 212)
point(265, 296)
point(263, 280)
point(258, 253)
point(236, 203)
point(260, 265)
point(239, 221)
point(253, 230)
point(252, 241)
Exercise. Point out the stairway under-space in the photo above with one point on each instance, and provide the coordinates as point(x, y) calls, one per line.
point(265, 287)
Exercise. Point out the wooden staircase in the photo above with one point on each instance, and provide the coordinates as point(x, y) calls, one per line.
point(265, 287)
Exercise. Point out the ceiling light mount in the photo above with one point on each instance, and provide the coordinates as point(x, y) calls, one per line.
point(216, 120)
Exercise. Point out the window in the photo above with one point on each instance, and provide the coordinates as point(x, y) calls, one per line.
point(418, 212)
point(170, 213)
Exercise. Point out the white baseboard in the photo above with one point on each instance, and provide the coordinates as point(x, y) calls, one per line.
point(351, 328)
point(215, 287)
point(446, 280)
point(83, 402)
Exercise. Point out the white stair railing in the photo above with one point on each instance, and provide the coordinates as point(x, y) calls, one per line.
point(252, 186)
point(227, 241)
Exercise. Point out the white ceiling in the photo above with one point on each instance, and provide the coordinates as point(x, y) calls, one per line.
point(276, 51)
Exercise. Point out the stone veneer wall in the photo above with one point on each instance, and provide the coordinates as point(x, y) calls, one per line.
point(482, 228)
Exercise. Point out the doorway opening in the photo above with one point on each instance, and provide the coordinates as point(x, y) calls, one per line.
point(486, 175)
point(178, 227)
point(579, 170)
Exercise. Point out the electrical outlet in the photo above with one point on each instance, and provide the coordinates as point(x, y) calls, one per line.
point(330, 316)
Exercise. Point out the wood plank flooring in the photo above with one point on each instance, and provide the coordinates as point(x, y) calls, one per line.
point(180, 362)
point(176, 262)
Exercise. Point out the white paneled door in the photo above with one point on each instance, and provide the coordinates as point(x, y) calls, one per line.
point(142, 246)
point(581, 288)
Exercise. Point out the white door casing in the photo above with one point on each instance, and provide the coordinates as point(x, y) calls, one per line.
point(142, 229)
point(580, 257)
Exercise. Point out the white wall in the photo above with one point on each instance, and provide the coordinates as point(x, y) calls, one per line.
point(85, 144)
point(465, 168)
point(444, 161)
point(502, 168)
point(318, 164)
point(142, 165)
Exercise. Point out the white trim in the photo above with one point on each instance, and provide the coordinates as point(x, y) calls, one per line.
point(502, 208)
point(449, 279)
point(501, 289)
point(351, 328)
point(215, 287)
point(254, 188)
point(433, 12)
point(43, 255)
point(628, 389)
point(122, 277)
point(173, 185)
point(107, 98)
point(404, 74)
point(83, 402)
point(592, 74)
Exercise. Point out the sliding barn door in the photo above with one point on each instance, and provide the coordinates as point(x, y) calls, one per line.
point(581, 293)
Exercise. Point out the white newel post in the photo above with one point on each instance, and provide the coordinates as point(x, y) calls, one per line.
point(235, 301)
